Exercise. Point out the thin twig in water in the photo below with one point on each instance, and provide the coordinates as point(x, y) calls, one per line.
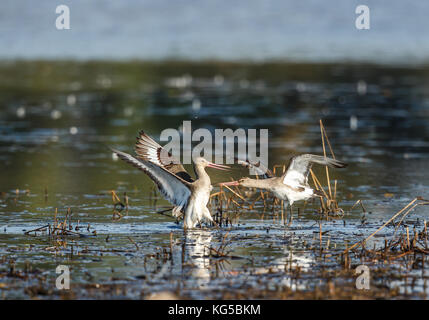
point(133, 242)
point(385, 224)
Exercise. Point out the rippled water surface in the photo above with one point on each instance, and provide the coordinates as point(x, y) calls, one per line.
point(58, 119)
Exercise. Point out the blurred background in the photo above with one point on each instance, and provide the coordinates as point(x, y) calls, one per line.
point(244, 29)
point(283, 65)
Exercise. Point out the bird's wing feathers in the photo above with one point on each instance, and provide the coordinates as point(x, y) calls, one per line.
point(173, 188)
point(299, 168)
point(149, 150)
point(259, 168)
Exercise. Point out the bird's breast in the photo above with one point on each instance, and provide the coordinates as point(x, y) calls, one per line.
point(202, 196)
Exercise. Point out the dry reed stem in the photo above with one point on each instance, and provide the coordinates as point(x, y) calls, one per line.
point(318, 184)
point(361, 204)
point(324, 154)
point(235, 193)
point(115, 198)
point(379, 229)
point(327, 140)
point(408, 211)
point(133, 242)
point(335, 189)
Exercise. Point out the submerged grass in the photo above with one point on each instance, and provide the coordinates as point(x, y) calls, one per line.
point(402, 214)
point(62, 228)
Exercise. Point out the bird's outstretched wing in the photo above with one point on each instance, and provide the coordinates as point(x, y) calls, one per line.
point(173, 188)
point(299, 168)
point(262, 171)
point(149, 150)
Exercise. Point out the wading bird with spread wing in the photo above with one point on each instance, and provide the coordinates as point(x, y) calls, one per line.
point(189, 196)
point(293, 184)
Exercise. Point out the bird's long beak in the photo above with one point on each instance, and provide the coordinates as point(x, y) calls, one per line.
point(218, 166)
point(232, 183)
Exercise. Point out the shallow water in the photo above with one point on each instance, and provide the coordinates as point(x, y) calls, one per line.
point(58, 118)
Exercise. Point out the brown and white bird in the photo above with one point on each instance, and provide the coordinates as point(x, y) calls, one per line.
point(189, 196)
point(293, 184)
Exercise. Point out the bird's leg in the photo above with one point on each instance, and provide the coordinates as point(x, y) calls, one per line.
point(285, 203)
point(290, 212)
point(291, 215)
